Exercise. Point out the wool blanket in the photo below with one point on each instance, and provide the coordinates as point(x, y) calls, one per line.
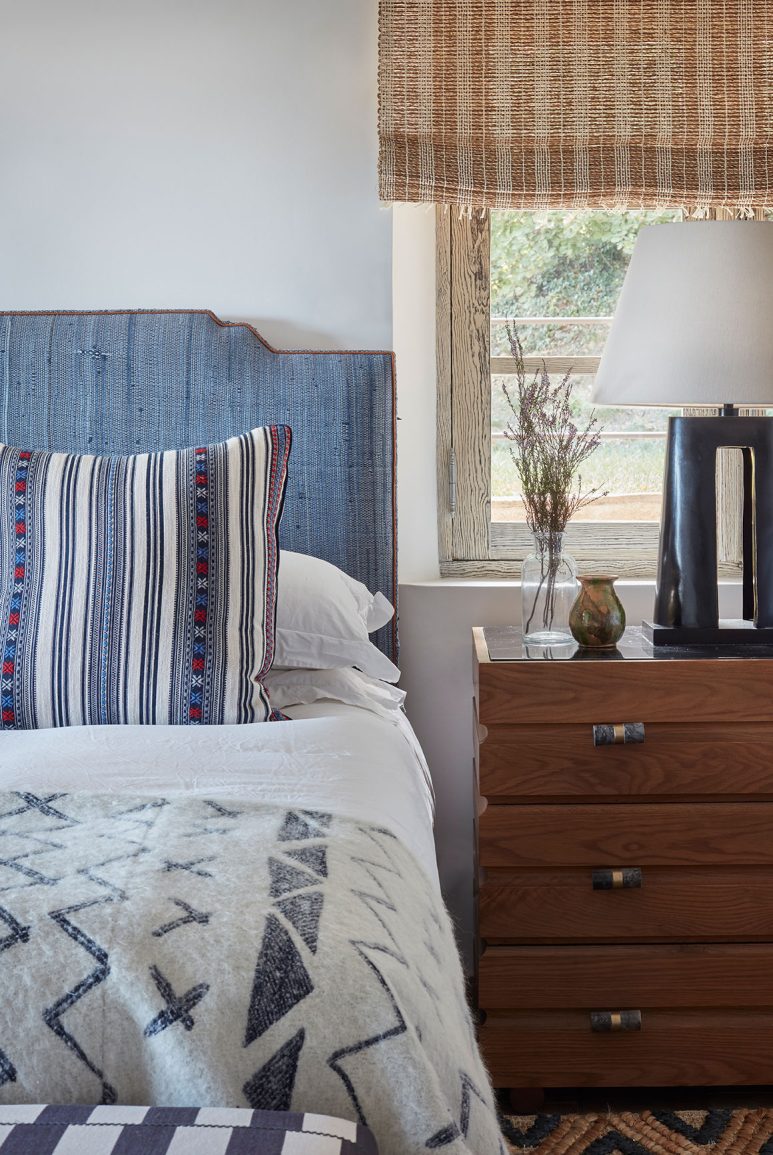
point(209, 953)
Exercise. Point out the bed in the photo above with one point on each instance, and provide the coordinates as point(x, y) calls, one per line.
point(233, 918)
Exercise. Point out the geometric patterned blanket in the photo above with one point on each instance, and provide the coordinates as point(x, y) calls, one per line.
point(199, 952)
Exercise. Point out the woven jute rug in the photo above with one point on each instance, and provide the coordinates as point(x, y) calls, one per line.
point(718, 1132)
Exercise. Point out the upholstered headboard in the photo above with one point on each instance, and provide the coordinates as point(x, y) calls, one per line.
point(131, 382)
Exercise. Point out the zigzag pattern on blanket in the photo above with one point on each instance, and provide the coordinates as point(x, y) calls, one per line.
point(187, 951)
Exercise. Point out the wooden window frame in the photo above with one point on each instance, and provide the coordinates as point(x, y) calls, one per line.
point(470, 544)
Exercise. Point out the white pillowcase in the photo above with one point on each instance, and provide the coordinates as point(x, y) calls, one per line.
point(324, 617)
point(301, 687)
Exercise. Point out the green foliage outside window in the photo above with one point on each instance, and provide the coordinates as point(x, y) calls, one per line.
point(570, 264)
point(562, 263)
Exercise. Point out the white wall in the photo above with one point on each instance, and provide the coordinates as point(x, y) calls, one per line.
point(414, 342)
point(186, 153)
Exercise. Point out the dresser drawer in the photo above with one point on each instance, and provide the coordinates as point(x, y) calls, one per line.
point(705, 903)
point(720, 690)
point(675, 759)
point(642, 977)
point(677, 834)
point(673, 1048)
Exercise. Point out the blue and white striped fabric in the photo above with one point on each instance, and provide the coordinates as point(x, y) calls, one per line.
point(140, 589)
point(40, 1130)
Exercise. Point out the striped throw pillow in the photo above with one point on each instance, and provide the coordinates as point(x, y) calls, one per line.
point(140, 589)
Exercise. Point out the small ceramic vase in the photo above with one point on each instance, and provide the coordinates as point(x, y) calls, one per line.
point(597, 618)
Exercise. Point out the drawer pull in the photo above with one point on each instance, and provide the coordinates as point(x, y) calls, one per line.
point(604, 1022)
point(618, 734)
point(618, 878)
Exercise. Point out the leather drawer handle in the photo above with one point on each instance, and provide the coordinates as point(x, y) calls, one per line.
point(618, 878)
point(618, 734)
point(610, 1022)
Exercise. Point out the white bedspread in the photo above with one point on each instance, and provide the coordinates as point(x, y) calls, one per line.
point(334, 757)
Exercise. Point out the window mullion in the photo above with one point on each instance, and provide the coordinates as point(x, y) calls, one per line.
point(444, 381)
point(471, 383)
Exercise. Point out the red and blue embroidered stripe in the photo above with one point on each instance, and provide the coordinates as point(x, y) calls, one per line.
point(201, 597)
point(10, 649)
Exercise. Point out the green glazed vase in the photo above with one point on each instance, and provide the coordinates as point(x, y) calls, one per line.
point(597, 618)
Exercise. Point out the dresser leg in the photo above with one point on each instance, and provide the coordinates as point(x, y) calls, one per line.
point(525, 1100)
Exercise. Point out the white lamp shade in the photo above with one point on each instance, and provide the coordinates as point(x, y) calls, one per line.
point(694, 323)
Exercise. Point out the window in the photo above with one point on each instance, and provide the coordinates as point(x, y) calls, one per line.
point(555, 277)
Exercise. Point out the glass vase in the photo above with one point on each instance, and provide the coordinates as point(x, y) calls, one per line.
point(548, 591)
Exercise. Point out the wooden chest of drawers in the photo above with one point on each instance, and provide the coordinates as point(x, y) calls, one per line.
point(625, 888)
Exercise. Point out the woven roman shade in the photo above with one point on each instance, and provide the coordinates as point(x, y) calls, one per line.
point(572, 103)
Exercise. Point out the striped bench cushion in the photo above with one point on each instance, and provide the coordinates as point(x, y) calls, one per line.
point(48, 1130)
point(140, 589)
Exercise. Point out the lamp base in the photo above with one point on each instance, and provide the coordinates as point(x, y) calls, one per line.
point(729, 632)
point(686, 586)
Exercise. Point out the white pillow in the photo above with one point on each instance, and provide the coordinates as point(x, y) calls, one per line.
point(301, 687)
point(324, 617)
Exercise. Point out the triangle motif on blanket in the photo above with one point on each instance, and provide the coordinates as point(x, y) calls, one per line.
point(7, 1070)
point(303, 912)
point(281, 980)
point(271, 1088)
point(315, 857)
point(286, 878)
point(295, 828)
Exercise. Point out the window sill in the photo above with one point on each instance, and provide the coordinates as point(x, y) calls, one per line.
point(456, 582)
point(509, 569)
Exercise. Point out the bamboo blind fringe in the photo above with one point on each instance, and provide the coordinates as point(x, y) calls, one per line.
point(577, 103)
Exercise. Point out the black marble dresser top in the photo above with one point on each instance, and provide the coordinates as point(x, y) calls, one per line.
point(506, 644)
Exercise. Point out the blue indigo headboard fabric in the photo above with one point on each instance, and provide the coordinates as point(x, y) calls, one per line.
point(134, 382)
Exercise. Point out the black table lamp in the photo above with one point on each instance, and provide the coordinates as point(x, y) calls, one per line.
point(694, 327)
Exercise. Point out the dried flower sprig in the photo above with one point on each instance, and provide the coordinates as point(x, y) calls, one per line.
point(547, 447)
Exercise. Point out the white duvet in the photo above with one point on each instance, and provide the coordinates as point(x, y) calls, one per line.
point(330, 756)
